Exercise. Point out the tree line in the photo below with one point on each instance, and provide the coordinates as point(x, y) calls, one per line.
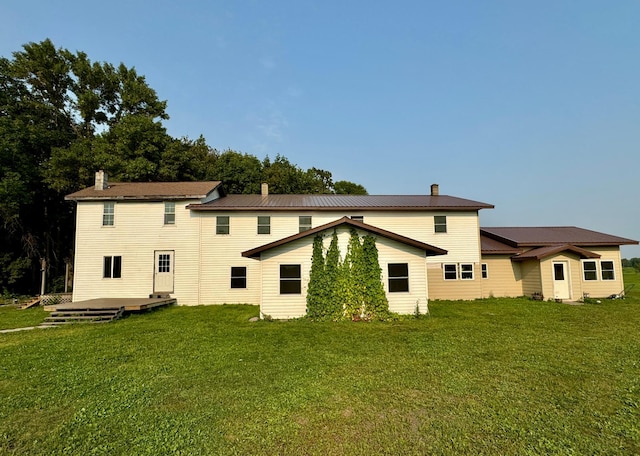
point(63, 117)
point(631, 263)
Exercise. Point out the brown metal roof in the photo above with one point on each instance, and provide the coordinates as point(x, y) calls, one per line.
point(344, 202)
point(146, 191)
point(551, 235)
point(491, 246)
point(430, 250)
point(543, 252)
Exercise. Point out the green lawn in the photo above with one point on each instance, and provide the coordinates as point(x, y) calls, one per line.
point(501, 376)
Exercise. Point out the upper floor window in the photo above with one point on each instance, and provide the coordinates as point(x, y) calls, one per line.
point(169, 213)
point(304, 223)
point(607, 270)
point(398, 277)
point(264, 224)
point(108, 211)
point(112, 267)
point(358, 218)
point(440, 223)
point(589, 270)
point(222, 224)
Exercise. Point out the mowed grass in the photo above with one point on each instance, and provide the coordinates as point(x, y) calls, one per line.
point(499, 376)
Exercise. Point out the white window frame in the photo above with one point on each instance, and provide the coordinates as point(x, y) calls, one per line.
point(444, 271)
point(464, 272)
point(612, 270)
point(396, 279)
point(484, 270)
point(108, 213)
point(292, 279)
point(304, 226)
point(594, 271)
point(110, 271)
point(238, 276)
point(169, 213)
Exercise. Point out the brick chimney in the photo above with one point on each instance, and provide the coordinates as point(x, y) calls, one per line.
point(264, 189)
point(101, 180)
point(435, 190)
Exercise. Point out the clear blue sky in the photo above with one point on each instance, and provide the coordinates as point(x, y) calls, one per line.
point(531, 106)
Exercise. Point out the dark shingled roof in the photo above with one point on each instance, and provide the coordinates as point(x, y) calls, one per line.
point(551, 235)
point(430, 250)
point(342, 202)
point(146, 191)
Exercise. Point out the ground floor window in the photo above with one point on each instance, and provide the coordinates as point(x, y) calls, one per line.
point(607, 270)
point(589, 270)
point(466, 271)
point(112, 267)
point(290, 279)
point(450, 271)
point(239, 277)
point(485, 271)
point(398, 277)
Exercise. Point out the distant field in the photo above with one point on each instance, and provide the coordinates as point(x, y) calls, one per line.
point(632, 277)
point(499, 376)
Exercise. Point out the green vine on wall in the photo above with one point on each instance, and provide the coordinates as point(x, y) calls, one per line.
point(349, 289)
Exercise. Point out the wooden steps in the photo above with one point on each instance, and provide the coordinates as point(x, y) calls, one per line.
point(66, 316)
point(34, 302)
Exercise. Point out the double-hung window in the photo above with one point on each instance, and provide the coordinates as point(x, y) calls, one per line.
point(108, 212)
point(440, 223)
point(112, 267)
point(466, 271)
point(239, 277)
point(264, 224)
point(607, 270)
point(304, 223)
point(590, 270)
point(450, 271)
point(485, 271)
point(398, 277)
point(222, 224)
point(290, 279)
point(169, 213)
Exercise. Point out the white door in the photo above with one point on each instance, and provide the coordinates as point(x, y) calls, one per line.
point(561, 288)
point(163, 272)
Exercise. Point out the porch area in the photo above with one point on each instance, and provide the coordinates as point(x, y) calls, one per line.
point(101, 310)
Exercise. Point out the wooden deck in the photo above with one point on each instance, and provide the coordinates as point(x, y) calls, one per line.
point(126, 304)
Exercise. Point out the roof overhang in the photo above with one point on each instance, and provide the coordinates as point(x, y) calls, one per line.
point(544, 252)
point(429, 250)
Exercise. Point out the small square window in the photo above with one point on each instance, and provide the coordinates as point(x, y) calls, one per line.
point(304, 223)
point(450, 272)
point(108, 213)
point(169, 213)
point(358, 218)
point(608, 272)
point(440, 223)
point(466, 271)
point(485, 271)
point(589, 270)
point(222, 224)
point(290, 279)
point(398, 277)
point(238, 277)
point(264, 224)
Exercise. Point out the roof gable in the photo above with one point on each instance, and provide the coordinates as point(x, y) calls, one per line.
point(544, 252)
point(147, 191)
point(430, 250)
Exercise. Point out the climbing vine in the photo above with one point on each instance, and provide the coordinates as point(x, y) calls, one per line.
point(349, 289)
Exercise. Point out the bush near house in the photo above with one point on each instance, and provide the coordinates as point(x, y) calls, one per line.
point(497, 376)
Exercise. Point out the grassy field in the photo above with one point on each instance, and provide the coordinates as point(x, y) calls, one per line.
point(500, 376)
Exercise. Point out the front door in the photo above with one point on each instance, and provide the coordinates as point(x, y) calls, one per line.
point(163, 272)
point(561, 288)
